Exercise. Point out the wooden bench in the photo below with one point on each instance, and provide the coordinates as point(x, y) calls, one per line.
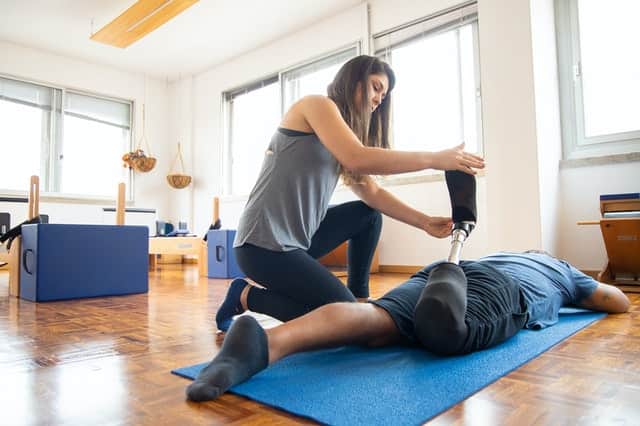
point(620, 227)
point(181, 246)
point(336, 261)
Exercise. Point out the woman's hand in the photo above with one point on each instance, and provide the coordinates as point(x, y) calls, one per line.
point(439, 227)
point(457, 159)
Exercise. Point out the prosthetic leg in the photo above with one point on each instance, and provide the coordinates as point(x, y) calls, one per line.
point(439, 315)
point(462, 193)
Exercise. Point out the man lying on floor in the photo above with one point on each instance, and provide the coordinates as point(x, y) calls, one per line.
point(447, 308)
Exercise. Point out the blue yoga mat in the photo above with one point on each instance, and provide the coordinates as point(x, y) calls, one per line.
point(394, 385)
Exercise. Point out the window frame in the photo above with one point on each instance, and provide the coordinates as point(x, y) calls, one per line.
point(227, 114)
point(320, 59)
point(51, 148)
point(276, 77)
point(59, 147)
point(575, 145)
point(437, 23)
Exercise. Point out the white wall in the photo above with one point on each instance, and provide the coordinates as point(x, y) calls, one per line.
point(181, 130)
point(150, 189)
point(547, 111)
point(208, 87)
point(509, 124)
point(524, 200)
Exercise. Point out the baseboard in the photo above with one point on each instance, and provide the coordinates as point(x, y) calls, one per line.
point(401, 269)
point(627, 286)
point(592, 273)
point(412, 269)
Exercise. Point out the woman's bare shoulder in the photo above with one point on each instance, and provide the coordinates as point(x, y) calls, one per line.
point(315, 101)
point(297, 115)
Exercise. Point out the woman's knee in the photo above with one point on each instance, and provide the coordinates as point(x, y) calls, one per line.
point(374, 217)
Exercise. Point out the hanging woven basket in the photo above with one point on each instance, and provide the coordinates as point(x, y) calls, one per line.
point(178, 180)
point(138, 160)
point(144, 164)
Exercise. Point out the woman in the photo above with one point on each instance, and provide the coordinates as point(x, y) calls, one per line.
point(287, 223)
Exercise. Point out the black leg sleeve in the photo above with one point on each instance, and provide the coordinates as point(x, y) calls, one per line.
point(439, 316)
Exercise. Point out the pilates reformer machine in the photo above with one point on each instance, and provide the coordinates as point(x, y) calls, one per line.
point(620, 227)
point(5, 225)
point(70, 261)
point(13, 245)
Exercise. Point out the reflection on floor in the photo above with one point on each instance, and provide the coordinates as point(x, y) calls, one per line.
point(107, 361)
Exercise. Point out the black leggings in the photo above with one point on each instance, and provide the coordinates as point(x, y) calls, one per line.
point(296, 283)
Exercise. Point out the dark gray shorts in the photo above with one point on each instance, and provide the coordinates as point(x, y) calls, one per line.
point(496, 309)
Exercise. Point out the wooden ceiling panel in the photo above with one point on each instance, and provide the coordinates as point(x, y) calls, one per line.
point(143, 17)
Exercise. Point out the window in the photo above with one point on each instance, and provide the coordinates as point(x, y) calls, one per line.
point(253, 116)
point(436, 101)
point(312, 78)
point(73, 141)
point(253, 113)
point(26, 114)
point(599, 76)
point(96, 134)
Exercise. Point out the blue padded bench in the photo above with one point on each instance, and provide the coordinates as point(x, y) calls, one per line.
point(221, 260)
point(60, 261)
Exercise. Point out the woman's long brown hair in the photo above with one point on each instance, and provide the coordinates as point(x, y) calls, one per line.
point(371, 128)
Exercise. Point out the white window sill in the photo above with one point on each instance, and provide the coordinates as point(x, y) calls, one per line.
point(63, 198)
point(384, 181)
point(600, 160)
point(409, 179)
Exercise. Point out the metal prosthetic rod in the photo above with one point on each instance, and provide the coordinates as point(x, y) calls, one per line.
point(462, 192)
point(460, 233)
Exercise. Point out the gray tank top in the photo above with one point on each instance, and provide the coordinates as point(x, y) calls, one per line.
point(292, 193)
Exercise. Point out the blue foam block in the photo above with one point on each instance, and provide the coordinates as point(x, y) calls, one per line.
point(62, 261)
point(221, 260)
point(393, 385)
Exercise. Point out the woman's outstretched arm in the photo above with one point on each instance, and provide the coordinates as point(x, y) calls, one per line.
point(322, 115)
point(388, 204)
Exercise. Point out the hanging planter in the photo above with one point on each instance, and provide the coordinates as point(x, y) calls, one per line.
point(178, 180)
point(138, 159)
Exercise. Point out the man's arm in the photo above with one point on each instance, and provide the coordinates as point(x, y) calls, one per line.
point(606, 298)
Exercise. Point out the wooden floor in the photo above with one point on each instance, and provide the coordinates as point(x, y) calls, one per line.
point(106, 361)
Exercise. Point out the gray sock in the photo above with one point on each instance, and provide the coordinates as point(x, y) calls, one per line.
point(245, 352)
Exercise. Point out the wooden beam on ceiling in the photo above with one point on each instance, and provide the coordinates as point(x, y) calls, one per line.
point(139, 20)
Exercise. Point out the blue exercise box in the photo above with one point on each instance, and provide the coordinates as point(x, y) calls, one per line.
point(60, 261)
point(221, 261)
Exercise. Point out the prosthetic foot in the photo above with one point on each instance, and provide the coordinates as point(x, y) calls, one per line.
point(462, 193)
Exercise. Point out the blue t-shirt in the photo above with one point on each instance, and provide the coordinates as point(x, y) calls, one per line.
point(547, 284)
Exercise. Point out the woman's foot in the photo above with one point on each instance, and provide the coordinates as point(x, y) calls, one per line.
point(232, 305)
point(244, 353)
